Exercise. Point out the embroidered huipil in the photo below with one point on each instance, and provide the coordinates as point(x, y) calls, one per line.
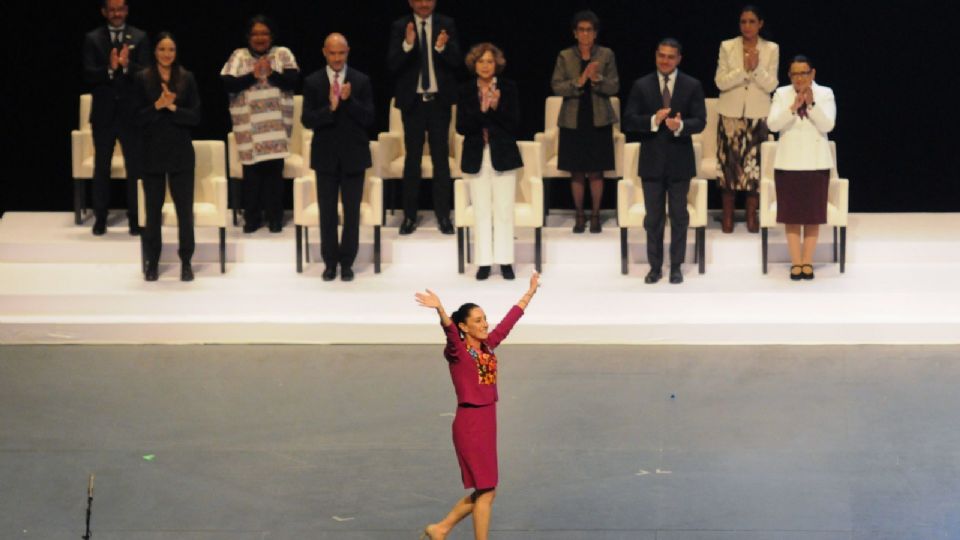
point(474, 373)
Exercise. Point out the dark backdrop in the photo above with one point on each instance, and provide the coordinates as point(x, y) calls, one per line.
point(888, 63)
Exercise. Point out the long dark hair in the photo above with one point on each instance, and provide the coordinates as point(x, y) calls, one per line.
point(176, 72)
point(461, 315)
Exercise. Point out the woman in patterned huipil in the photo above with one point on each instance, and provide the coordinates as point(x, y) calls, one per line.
point(261, 79)
point(746, 75)
point(473, 369)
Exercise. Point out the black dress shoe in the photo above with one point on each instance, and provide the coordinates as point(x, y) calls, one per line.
point(276, 226)
point(506, 271)
point(653, 276)
point(250, 227)
point(134, 229)
point(329, 273)
point(100, 226)
point(676, 276)
point(807, 275)
point(186, 272)
point(152, 273)
point(444, 225)
point(483, 273)
point(408, 226)
point(346, 273)
point(595, 224)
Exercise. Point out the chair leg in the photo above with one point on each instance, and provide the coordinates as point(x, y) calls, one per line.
point(460, 250)
point(306, 242)
point(389, 185)
point(223, 250)
point(843, 249)
point(702, 248)
point(546, 198)
point(143, 256)
point(235, 198)
point(834, 244)
point(469, 251)
point(538, 249)
point(79, 200)
point(763, 247)
point(376, 249)
point(624, 251)
point(299, 249)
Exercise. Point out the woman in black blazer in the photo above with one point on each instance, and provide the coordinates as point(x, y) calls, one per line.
point(169, 105)
point(488, 116)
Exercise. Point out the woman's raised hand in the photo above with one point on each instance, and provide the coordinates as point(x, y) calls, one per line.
point(429, 299)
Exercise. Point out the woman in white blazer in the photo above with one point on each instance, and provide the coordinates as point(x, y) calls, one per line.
point(746, 74)
point(803, 113)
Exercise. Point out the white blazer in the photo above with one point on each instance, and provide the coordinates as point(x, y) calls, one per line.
point(803, 143)
point(744, 94)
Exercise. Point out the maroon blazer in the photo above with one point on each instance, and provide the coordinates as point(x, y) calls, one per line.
point(464, 370)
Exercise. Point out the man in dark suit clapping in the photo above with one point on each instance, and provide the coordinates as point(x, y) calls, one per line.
point(423, 54)
point(112, 55)
point(666, 107)
point(338, 106)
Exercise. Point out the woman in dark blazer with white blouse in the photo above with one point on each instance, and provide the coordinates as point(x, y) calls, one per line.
point(488, 116)
point(169, 106)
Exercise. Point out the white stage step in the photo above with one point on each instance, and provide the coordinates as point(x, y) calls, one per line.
point(58, 283)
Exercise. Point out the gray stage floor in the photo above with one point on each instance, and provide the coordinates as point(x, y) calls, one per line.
point(353, 442)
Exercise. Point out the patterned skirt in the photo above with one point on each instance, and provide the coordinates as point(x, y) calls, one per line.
point(738, 152)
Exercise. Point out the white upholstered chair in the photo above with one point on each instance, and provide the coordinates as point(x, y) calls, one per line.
point(527, 210)
point(81, 145)
point(210, 204)
point(306, 212)
point(392, 152)
point(837, 203)
point(631, 208)
point(708, 165)
point(294, 165)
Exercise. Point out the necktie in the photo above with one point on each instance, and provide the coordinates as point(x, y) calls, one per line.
point(336, 83)
point(424, 59)
point(666, 91)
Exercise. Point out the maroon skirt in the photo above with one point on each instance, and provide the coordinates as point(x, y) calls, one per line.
point(802, 196)
point(475, 440)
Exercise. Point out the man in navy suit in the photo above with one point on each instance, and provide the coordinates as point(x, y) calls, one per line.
point(665, 108)
point(338, 106)
point(112, 55)
point(423, 55)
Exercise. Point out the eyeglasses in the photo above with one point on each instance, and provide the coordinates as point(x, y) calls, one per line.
point(585, 29)
point(798, 74)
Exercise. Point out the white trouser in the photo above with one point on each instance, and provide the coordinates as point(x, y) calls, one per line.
point(492, 194)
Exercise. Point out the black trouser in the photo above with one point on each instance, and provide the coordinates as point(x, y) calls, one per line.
point(104, 139)
point(433, 118)
point(154, 192)
point(350, 186)
point(657, 193)
point(263, 191)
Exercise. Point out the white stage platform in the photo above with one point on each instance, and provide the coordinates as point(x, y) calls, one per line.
point(60, 284)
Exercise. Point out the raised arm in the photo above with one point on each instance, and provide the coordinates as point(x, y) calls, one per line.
point(527, 296)
point(429, 299)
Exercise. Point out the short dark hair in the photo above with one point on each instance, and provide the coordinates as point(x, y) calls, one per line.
point(105, 2)
point(752, 8)
point(479, 50)
point(585, 16)
point(801, 59)
point(671, 42)
point(264, 20)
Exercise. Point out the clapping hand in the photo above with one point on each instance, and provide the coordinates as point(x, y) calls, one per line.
point(114, 59)
point(807, 96)
point(123, 57)
point(167, 99)
point(594, 68)
point(345, 91)
point(262, 69)
point(411, 34)
point(662, 115)
point(674, 123)
point(442, 39)
point(751, 59)
point(335, 98)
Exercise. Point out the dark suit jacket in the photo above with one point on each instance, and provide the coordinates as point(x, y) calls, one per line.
point(117, 96)
point(167, 143)
point(661, 153)
point(501, 123)
point(405, 66)
point(340, 136)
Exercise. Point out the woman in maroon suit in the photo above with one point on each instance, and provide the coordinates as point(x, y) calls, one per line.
point(473, 369)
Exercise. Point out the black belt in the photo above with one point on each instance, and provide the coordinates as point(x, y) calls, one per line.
point(428, 96)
